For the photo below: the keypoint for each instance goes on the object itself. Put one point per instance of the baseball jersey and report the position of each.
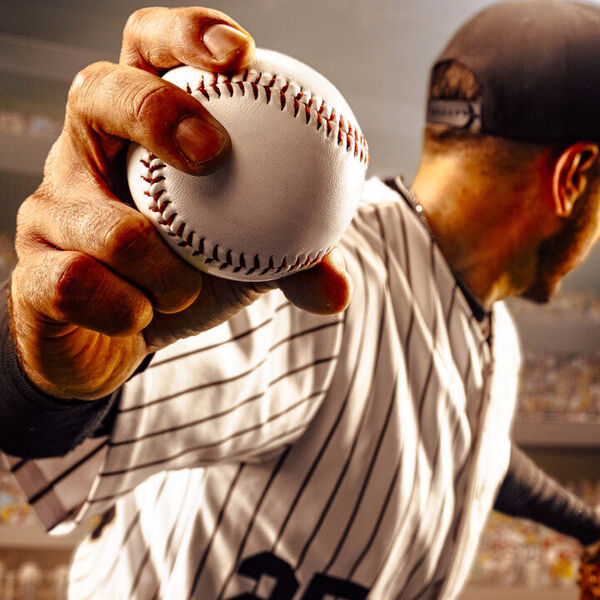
(288, 455)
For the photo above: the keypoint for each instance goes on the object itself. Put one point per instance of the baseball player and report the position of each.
(238, 441)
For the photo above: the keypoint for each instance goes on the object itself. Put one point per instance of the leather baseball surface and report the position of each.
(292, 183)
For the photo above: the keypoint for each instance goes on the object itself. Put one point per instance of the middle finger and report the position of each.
(118, 236)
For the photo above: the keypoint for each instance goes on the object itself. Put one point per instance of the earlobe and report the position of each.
(569, 180)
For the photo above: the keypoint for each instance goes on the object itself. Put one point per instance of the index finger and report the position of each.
(155, 39)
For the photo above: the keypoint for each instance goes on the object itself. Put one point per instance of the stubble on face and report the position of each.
(561, 253)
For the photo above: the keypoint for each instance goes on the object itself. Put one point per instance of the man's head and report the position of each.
(513, 101)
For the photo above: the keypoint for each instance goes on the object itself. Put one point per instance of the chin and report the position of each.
(541, 292)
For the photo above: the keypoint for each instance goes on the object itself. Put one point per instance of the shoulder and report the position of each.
(506, 338)
(384, 204)
(375, 191)
(385, 229)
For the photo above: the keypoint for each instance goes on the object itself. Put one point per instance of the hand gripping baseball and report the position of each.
(96, 288)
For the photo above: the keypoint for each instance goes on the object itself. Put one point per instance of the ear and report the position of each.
(568, 180)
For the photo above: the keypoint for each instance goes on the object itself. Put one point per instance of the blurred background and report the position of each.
(378, 53)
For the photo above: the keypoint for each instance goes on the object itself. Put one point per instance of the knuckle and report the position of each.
(25, 226)
(25, 214)
(83, 293)
(133, 246)
(121, 319)
(77, 283)
(190, 20)
(28, 225)
(83, 83)
(128, 238)
(149, 101)
(134, 23)
(126, 318)
(157, 54)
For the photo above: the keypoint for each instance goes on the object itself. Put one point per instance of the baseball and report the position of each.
(290, 189)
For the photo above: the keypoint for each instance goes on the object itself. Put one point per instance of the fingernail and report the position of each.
(222, 40)
(198, 140)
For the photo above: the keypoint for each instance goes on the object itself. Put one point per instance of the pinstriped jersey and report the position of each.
(287, 455)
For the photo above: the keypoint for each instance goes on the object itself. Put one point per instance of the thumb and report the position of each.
(324, 289)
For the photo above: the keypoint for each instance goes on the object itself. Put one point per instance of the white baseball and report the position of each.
(292, 184)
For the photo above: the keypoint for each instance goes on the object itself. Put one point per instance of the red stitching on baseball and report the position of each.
(188, 241)
(202, 89)
(355, 142)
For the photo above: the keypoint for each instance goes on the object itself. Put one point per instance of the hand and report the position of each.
(96, 288)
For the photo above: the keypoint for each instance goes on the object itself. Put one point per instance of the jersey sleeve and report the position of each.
(46, 443)
(503, 397)
(52, 447)
(240, 392)
(33, 424)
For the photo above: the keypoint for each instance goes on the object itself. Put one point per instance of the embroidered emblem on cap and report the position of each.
(462, 114)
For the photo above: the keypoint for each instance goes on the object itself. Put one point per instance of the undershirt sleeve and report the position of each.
(32, 423)
(528, 492)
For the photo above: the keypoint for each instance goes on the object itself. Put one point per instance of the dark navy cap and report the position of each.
(538, 65)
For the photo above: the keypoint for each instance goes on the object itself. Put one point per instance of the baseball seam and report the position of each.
(250, 80)
(217, 256)
(286, 90)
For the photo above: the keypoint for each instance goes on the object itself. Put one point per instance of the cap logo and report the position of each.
(462, 114)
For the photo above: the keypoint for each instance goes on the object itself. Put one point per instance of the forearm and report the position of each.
(33, 424)
(528, 492)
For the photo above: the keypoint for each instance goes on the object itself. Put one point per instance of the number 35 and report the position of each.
(286, 585)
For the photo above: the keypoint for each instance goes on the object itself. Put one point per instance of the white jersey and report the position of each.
(291, 456)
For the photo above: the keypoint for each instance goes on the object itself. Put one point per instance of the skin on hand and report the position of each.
(96, 288)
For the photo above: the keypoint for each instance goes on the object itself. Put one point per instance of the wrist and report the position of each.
(86, 367)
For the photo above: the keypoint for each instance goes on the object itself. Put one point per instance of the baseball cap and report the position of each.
(538, 65)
